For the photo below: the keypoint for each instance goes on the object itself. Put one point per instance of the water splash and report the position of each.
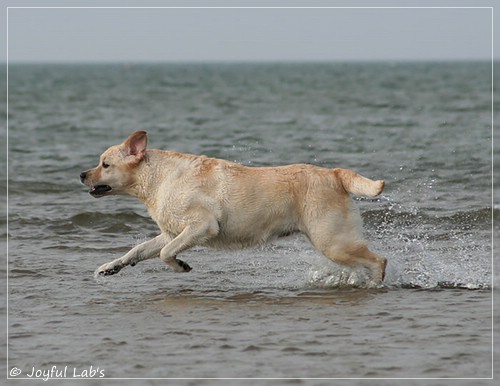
(339, 277)
(426, 248)
(429, 249)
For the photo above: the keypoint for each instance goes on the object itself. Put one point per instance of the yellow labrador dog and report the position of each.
(201, 201)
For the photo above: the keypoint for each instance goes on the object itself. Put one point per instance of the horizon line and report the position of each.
(248, 61)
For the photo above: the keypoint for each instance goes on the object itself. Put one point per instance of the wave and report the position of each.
(479, 218)
(111, 223)
(91, 218)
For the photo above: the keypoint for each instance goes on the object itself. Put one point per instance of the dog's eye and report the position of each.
(105, 165)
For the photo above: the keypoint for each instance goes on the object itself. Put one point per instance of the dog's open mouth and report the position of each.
(99, 190)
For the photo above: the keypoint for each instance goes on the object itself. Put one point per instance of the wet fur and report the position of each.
(201, 201)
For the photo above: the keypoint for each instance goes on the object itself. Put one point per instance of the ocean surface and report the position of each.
(282, 310)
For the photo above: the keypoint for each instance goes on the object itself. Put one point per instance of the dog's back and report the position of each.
(253, 205)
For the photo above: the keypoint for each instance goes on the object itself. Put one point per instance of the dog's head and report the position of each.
(115, 172)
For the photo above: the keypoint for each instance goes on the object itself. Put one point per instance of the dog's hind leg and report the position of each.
(357, 254)
(337, 233)
(147, 250)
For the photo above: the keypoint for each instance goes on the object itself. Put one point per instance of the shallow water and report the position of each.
(277, 311)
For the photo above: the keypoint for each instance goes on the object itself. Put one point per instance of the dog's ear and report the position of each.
(135, 145)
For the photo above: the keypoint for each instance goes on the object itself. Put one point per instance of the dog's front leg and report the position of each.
(147, 250)
(194, 234)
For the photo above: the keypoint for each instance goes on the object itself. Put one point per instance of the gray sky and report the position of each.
(136, 35)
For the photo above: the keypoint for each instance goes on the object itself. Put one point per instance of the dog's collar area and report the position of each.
(99, 190)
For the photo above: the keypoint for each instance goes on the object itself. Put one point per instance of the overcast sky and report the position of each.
(137, 35)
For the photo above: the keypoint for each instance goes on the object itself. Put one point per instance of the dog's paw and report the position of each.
(109, 269)
(183, 265)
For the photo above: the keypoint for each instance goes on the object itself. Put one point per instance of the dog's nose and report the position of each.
(82, 176)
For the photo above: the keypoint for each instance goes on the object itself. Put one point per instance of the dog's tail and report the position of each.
(358, 185)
